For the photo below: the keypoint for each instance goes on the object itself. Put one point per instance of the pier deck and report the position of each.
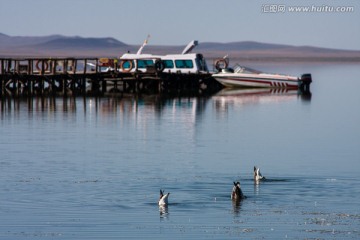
(87, 76)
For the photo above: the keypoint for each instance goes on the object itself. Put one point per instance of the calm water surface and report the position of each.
(92, 168)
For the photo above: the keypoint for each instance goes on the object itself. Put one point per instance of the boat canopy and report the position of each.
(242, 69)
(186, 62)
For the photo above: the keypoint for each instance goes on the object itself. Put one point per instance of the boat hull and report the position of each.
(257, 82)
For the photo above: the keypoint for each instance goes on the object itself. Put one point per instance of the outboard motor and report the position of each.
(305, 82)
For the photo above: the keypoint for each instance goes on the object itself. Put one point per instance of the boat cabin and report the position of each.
(185, 62)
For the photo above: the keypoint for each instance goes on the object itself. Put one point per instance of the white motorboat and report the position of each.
(240, 76)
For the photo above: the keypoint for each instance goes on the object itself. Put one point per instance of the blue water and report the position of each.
(92, 168)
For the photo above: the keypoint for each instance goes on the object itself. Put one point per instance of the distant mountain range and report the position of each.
(64, 46)
(59, 41)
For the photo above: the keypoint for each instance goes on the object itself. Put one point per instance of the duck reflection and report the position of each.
(236, 205)
(164, 212)
(256, 188)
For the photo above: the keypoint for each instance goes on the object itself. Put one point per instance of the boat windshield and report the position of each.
(243, 69)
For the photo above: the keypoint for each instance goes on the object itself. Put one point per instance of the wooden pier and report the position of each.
(86, 76)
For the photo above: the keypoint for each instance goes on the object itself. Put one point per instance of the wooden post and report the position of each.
(103, 87)
(115, 65)
(42, 70)
(17, 85)
(42, 85)
(3, 80)
(30, 86)
(75, 65)
(96, 65)
(53, 64)
(2, 67)
(17, 68)
(95, 85)
(9, 65)
(30, 66)
(65, 63)
(159, 86)
(85, 63)
(83, 85)
(29, 71)
(64, 87)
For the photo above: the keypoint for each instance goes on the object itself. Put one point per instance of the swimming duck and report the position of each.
(257, 175)
(236, 193)
(163, 200)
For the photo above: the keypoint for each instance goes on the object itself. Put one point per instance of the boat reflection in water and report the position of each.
(251, 96)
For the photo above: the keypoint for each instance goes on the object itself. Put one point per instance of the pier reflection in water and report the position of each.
(124, 107)
(40, 104)
(113, 105)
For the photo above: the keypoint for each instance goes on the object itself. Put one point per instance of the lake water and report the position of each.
(92, 168)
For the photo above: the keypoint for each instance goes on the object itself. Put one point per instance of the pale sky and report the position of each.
(176, 22)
